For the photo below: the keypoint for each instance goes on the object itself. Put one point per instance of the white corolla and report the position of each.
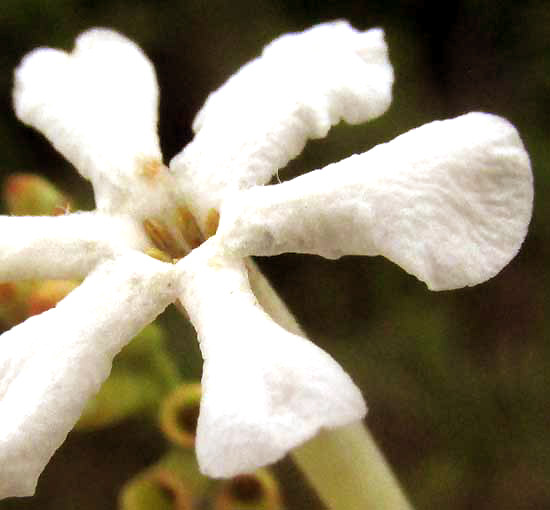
(449, 202)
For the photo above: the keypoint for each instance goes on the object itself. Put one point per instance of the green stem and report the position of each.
(349, 471)
(344, 464)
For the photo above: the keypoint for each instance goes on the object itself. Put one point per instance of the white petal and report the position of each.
(63, 247)
(450, 202)
(98, 107)
(262, 117)
(265, 390)
(52, 363)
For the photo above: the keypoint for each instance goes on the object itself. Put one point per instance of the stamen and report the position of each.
(158, 254)
(177, 232)
(189, 227)
(157, 232)
(212, 222)
(163, 239)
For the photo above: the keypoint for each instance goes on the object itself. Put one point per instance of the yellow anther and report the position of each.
(212, 222)
(158, 254)
(189, 228)
(164, 239)
(177, 232)
(157, 232)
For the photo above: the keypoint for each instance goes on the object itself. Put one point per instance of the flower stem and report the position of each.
(349, 471)
(343, 464)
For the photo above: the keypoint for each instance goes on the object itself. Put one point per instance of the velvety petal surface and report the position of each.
(63, 247)
(98, 107)
(450, 202)
(265, 390)
(262, 117)
(51, 364)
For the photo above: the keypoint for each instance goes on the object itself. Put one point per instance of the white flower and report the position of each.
(450, 202)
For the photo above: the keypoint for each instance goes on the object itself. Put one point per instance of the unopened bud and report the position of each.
(32, 195)
(13, 302)
(122, 395)
(147, 354)
(143, 373)
(46, 294)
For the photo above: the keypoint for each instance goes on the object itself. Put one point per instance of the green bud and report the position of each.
(141, 377)
(122, 395)
(147, 353)
(32, 195)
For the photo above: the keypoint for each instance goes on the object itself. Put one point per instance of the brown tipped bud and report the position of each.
(13, 302)
(255, 491)
(179, 414)
(10, 314)
(47, 294)
(32, 195)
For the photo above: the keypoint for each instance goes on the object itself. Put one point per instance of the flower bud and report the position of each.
(122, 395)
(142, 375)
(13, 302)
(46, 294)
(147, 353)
(32, 195)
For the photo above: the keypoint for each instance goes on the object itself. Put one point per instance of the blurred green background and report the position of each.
(457, 382)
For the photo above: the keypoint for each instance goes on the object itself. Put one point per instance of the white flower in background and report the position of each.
(450, 202)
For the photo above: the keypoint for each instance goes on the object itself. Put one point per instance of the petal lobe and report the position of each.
(51, 364)
(450, 202)
(262, 116)
(96, 105)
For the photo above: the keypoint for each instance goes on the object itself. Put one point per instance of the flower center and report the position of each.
(168, 222)
(178, 234)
